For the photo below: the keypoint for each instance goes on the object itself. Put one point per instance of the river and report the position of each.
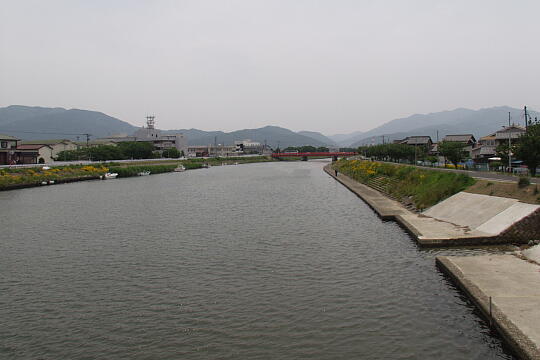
(258, 261)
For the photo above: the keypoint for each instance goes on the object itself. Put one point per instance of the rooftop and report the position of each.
(7, 137)
(459, 138)
(31, 146)
(45, 142)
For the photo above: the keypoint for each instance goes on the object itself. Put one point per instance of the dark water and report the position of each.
(262, 261)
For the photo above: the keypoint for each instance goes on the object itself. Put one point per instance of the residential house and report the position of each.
(485, 148)
(420, 141)
(467, 140)
(487, 145)
(509, 132)
(34, 154)
(56, 147)
(8, 145)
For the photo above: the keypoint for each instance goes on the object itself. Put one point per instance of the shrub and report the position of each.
(524, 182)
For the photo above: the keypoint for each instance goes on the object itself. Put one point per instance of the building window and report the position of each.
(3, 144)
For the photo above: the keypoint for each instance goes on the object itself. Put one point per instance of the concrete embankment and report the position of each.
(506, 289)
(464, 219)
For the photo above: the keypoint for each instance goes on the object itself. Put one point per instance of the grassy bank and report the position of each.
(409, 184)
(528, 194)
(13, 178)
(10, 178)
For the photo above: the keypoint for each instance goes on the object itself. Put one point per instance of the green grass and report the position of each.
(424, 187)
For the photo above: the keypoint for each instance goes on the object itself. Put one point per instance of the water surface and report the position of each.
(259, 261)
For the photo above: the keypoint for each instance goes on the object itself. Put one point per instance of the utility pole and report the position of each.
(526, 123)
(437, 136)
(383, 139)
(215, 146)
(88, 146)
(509, 144)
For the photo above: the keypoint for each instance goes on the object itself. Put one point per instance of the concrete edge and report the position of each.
(373, 206)
(410, 229)
(511, 334)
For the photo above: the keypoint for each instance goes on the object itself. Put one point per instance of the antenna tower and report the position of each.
(150, 121)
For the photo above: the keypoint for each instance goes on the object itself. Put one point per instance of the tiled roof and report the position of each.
(411, 140)
(45, 142)
(31, 146)
(7, 137)
(459, 138)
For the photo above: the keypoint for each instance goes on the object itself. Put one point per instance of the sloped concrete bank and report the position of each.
(506, 289)
(463, 219)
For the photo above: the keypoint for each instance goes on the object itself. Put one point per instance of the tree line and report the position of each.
(121, 151)
(525, 148)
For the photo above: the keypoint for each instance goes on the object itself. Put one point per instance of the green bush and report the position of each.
(524, 182)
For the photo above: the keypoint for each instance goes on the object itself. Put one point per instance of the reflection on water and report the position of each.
(263, 261)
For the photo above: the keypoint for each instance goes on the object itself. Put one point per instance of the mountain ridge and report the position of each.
(479, 122)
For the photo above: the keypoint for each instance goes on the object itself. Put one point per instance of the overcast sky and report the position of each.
(332, 66)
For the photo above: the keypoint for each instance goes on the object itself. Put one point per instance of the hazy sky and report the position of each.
(332, 66)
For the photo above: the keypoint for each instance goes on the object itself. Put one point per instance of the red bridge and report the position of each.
(305, 155)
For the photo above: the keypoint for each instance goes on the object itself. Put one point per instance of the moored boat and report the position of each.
(110, 176)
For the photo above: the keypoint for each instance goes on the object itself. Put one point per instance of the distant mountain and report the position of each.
(36, 123)
(318, 136)
(345, 139)
(460, 121)
(273, 135)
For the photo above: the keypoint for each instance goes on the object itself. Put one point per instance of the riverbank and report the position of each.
(506, 289)
(463, 219)
(19, 178)
(425, 230)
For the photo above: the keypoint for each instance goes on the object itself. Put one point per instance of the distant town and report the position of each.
(490, 150)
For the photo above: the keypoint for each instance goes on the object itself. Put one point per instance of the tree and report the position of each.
(136, 149)
(502, 151)
(527, 148)
(452, 151)
(171, 153)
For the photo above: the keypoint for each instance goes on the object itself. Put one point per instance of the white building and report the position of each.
(248, 147)
(155, 136)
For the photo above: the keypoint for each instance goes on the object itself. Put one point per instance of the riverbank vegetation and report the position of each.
(409, 184)
(529, 193)
(15, 177)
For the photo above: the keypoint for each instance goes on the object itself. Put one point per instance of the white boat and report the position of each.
(180, 168)
(144, 173)
(110, 176)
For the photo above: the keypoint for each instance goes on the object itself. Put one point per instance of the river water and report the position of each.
(259, 261)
